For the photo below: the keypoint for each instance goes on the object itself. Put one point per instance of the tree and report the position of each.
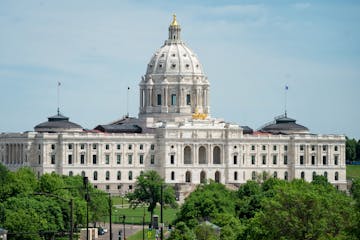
(351, 150)
(148, 191)
(358, 151)
(182, 232)
(300, 210)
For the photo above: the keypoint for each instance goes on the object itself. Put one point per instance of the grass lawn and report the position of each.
(352, 171)
(119, 200)
(135, 216)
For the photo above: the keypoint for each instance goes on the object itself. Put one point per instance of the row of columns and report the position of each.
(15, 154)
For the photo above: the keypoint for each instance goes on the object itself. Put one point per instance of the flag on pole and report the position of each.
(59, 83)
(286, 87)
(128, 88)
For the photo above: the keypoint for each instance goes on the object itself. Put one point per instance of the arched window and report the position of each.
(313, 175)
(336, 176)
(172, 175)
(326, 175)
(202, 155)
(217, 176)
(187, 155)
(71, 173)
(286, 176)
(95, 176)
(83, 174)
(216, 155)
(119, 175)
(253, 175)
(302, 175)
(235, 176)
(130, 175)
(202, 177)
(275, 174)
(188, 177)
(107, 175)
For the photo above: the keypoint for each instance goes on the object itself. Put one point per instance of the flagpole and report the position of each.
(58, 98)
(127, 102)
(286, 89)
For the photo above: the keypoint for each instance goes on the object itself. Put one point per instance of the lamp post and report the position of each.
(87, 198)
(161, 213)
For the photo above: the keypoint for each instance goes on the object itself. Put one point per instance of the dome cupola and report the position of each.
(174, 85)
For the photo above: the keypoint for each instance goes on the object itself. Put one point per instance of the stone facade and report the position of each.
(171, 138)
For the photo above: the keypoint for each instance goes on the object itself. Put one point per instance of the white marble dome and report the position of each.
(174, 58)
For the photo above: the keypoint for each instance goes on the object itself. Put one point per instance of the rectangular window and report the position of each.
(285, 159)
(324, 147)
(107, 159)
(263, 159)
(235, 159)
(107, 187)
(172, 159)
(324, 160)
(107, 146)
(253, 159)
(301, 147)
(70, 146)
(285, 147)
(141, 146)
(274, 159)
(70, 159)
(94, 157)
(336, 148)
(53, 159)
(82, 159)
(312, 147)
(118, 146)
(94, 146)
(173, 99)
(313, 160)
(152, 147)
(252, 147)
(188, 99)
(130, 159)
(301, 160)
(159, 99)
(82, 146)
(52, 146)
(274, 147)
(263, 147)
(152, 159)
(141, 159)
(336, 160)
(118, 158)
(130, 146)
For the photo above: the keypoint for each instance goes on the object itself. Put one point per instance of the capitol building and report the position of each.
(175, 135)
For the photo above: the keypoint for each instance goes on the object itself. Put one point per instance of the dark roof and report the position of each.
(284, 125)
(124, 125)
(247, 130)
(55, 123)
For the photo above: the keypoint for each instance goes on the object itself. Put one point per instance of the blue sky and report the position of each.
(249, 51)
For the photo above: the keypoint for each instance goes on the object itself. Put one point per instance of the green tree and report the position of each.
(300, 210)
(351, 145)
(205, 203)
(358, 151)
(206, 231)
(182, 232)
(148, 190)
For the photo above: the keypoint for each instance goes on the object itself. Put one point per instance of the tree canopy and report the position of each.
(148, 191)
(32, 208)
(274, 209)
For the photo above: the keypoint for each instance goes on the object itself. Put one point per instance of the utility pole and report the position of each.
(161, 214)
(87, 198)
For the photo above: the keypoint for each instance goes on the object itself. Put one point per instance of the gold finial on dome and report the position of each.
(174, 22)
(199, 116)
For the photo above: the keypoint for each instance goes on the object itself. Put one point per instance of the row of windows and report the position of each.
(173, 99)
(324, 148)
(324, 160)
(94, 146)
(107, 159)
(336, 175)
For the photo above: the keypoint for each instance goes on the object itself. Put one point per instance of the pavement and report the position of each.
(129, 230)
